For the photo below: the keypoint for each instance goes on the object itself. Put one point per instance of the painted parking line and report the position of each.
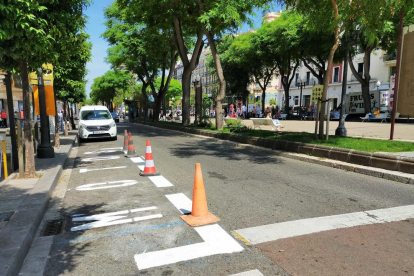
(273, 232)
(181, 202)
(137, 160)
(100, 151)
(101, 169)
(160, 181)
(113, 218)
(216, 241)
(119, 148)
(103, 158)
(106, 185)
(255, 272)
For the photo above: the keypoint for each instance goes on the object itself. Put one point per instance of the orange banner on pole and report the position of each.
(50, 100)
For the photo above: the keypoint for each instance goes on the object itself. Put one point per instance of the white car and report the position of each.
(96, 122)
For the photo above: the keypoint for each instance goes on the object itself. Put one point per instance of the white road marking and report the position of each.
(101, 169)
(137, 160)
(272, 232)
(141, 167)
(255, 272)
(106, 185)
(160, 181)
(100, 151)
(125, 151)
(181, 202)
(216, 241)
(112, 148)
(103, 158)
(113, 218)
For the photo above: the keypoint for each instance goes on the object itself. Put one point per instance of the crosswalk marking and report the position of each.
(272, 232)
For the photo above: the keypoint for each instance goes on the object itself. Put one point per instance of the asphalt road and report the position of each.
(245, 187)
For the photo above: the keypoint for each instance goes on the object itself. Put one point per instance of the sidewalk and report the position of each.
(22, 206)
(403, 132)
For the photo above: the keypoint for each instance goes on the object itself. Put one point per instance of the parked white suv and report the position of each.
(96, 122)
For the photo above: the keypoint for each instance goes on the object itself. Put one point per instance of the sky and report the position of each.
(95, 27)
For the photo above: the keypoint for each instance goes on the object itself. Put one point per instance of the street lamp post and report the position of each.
(45, 149)
(300, 83)
(341, 130)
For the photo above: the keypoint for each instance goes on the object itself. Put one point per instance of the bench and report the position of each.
(259, 122)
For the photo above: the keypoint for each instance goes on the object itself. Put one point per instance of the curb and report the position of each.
(17, 236)
(379, 165)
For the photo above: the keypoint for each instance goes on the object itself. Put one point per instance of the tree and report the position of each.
(114, 82)
(216, 17)
(134, 47)
(27, 37)
(367, 32)
(280, 39)
(180, 17)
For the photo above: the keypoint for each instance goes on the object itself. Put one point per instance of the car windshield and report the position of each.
(95, 115)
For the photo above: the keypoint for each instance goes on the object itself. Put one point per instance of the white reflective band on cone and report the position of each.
(149, 163)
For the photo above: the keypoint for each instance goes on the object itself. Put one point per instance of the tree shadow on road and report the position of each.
(225, 150)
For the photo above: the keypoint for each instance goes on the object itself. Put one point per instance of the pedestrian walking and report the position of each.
(258, 111)
(254, 111)
(244, 111)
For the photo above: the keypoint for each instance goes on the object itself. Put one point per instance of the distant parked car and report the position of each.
(115, 117)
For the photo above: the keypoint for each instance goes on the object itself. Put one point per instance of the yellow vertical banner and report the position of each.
(50, 100)
(316, 93)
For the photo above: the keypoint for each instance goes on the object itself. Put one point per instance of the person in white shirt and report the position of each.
(244, 111)
(258, 111)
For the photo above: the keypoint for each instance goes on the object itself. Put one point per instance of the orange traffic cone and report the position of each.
(131, 149)
(125, 140)
(199, 213)
(149, 169)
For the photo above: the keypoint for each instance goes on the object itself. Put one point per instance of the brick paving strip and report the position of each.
(28, 199)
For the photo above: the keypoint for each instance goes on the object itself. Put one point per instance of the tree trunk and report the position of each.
(263, 99)
(30, 170)
(157, 108)
(220, 75)
(366, 96)
(287, 90)
(185, 104)
(328, 71)
(72, 121)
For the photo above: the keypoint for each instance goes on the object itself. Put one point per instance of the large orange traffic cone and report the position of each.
(149, 169)
(199, 213)
(125, 140)
(131, 149)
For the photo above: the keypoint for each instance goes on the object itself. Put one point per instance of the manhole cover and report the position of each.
(6, 216)
(53, 227)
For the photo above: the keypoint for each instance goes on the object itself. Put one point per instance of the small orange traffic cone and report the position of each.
(131, 149)
(149, 169)
(199, 213)
(125, 140)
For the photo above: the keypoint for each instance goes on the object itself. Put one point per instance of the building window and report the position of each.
(336, 74)
(296, 79)
(307, 78)
(257, 86)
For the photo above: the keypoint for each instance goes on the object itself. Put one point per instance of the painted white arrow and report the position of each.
(106, 185)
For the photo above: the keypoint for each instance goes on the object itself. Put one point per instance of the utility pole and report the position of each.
(45, 149)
